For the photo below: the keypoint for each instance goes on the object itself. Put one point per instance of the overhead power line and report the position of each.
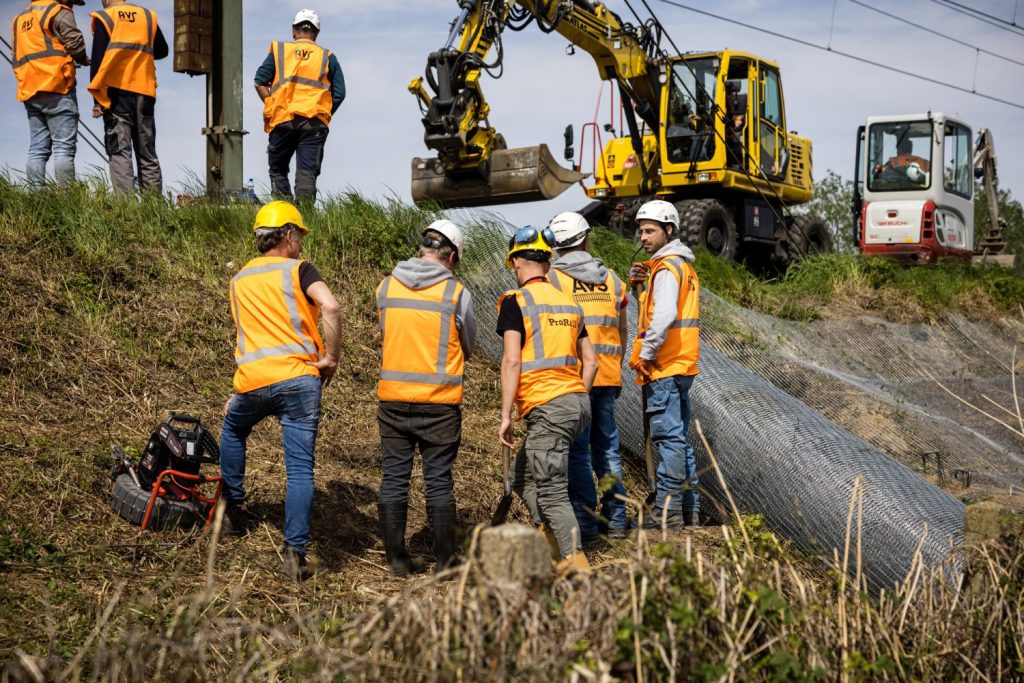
(95, 143)
(981, 16)
(848, 55)
(936, 33)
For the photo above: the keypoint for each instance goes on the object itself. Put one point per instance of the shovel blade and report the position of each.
(501, 512)
(522, 174)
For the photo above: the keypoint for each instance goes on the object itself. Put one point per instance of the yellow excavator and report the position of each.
(706, 131)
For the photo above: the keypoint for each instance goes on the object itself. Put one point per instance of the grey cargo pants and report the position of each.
(539, 471)
(129, 124)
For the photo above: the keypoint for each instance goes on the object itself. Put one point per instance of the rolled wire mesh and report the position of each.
(779, 457)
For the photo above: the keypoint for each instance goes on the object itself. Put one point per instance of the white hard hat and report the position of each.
(570, 229)
(309, 15)
(449, 230)
(658, 210)
(915, 173)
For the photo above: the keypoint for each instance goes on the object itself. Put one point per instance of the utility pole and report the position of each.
(208, 40)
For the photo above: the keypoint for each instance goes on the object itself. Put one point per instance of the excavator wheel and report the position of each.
(808, 235)
(709, 223)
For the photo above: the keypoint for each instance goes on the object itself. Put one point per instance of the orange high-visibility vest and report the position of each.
(600, 304)
(41, 63)
(679, 353)
(550, 366)
(275, 324)
(128, 63)
(301, 86)
(422, 355)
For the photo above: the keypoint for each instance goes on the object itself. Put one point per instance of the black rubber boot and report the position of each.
(442, 523)
(392, 530)
(691, 517)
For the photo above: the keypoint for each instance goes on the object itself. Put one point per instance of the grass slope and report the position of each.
(115, 312)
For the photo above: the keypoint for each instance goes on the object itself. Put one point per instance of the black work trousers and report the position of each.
(303, 139)
(436, 428)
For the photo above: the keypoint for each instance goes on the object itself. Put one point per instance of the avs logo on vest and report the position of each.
(127, 15)
(580, 286)
(28, 24)
(303, 55)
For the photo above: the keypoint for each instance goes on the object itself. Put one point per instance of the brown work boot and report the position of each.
(556, 552)
(576, 563)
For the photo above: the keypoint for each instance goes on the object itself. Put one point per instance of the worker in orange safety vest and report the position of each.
(301, 85)
(46, 46)
(429, 329)
(664, 357)
(281, 365)
(603, 298)
(548, 365)
(127, 41)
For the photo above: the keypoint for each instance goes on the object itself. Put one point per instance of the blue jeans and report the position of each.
(296, 404)
(53, 128)
(596, 451)
(668, 408)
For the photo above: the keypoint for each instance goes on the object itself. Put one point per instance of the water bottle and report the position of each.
(250, 191)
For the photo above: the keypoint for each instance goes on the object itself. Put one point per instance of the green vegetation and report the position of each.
(115, 312)
(875, 285)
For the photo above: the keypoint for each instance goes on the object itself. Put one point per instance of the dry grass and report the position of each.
(115, 313)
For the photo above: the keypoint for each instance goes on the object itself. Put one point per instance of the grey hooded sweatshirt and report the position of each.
(581, 265)
(665, 291)
(420, 273)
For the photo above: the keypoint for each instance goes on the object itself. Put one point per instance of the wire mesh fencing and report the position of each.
(795, 420)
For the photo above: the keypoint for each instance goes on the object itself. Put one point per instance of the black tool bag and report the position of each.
(179, 443)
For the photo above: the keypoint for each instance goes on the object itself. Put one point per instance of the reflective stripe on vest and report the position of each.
(301, 85)
(41, 63)
(600, 304)
(279, 332)
(549, 365)
(128, 62)
(422, 359)
(680, 351)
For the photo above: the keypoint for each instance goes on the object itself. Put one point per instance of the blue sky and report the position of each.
(383, 44)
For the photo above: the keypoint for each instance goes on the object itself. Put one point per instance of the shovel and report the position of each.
(501, 512)
(652, 482)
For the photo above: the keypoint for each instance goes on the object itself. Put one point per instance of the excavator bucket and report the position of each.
(523, 174)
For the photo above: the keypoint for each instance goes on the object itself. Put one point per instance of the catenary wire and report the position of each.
(937, 33)
(848, 55)
(966, 11)
(982, 14)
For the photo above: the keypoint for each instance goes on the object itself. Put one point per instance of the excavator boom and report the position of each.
(473, 167)
(993, 246)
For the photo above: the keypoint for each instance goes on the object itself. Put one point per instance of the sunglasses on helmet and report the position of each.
(528, 234)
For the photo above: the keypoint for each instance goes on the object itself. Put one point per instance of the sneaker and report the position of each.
(296, 566)
(673, 519)
(238, 519)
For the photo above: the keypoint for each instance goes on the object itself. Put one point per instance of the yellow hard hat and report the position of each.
(531, 243)
(277, 214)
